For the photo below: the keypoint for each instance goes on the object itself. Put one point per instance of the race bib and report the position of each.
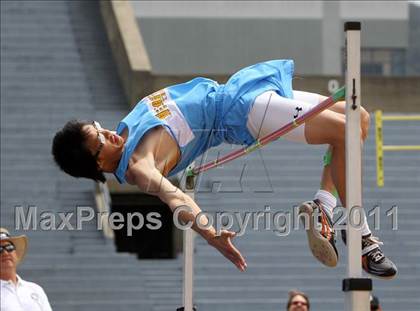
(168, 111)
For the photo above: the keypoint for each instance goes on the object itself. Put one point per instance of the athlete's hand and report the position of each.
(224, 245)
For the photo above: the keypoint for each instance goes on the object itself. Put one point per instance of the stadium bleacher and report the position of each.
(56, 64)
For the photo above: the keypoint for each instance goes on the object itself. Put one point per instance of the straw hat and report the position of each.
(20, 242)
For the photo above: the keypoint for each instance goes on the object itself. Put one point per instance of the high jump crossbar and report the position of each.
(380, 147)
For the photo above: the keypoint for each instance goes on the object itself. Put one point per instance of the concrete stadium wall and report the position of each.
(397, 95)
(127, 47)
(208, 38)
(218, 46)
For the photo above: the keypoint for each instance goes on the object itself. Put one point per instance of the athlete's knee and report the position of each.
(364, 123)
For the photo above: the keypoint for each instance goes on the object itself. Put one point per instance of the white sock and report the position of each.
(327, 200)
(365, 230)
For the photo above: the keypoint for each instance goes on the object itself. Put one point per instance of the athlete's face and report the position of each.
(106, 146)
(298, 303)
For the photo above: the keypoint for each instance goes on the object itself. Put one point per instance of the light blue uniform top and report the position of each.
(212, 113)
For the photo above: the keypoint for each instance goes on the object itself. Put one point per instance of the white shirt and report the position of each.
(23, 296)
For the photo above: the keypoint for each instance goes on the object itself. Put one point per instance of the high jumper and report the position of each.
(168, 129)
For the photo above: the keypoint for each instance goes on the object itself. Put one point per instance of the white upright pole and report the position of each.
(357, 288)
(188, 269)
(188, 250)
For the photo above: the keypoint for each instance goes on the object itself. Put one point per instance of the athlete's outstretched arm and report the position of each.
(150, 180)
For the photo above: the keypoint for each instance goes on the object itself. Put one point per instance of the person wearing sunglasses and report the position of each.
(16, 293)
(167, 130)
(298, 301)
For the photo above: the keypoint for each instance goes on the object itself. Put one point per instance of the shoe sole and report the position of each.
(381, 277)
(320, 247)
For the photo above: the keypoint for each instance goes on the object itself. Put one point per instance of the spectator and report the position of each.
(17, 294)
(298, 301)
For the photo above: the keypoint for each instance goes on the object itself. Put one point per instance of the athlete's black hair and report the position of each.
(71, 154)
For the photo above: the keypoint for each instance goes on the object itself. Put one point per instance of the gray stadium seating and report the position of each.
(56, 65)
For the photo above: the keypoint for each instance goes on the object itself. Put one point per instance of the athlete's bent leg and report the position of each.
(374, 261)
(269, 113)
